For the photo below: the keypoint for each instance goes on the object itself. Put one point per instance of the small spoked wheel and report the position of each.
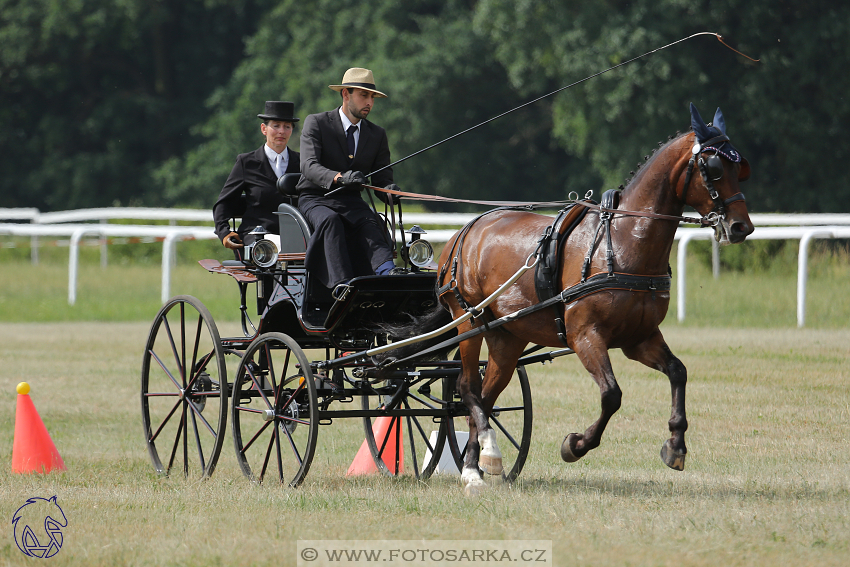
(274, 411)
(184, 389)
(511, 419)
(411, 437)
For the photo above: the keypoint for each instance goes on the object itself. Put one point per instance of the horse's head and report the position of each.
(715, 169)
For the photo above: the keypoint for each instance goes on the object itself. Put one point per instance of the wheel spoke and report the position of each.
(166, 370)
(266, 460)
(293, 446)
(197, 412)
(413, 446)
(164, 421)
(176, 442)
(255, 437)
(198, 440)
(505, 432)
(258, 386)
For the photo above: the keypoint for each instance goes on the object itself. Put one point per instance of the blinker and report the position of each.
(713, 167)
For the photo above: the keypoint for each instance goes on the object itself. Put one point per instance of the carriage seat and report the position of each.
(295, 231)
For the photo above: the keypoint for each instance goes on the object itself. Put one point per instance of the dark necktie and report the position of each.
(350, 136)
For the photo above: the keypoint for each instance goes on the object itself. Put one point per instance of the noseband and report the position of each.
(710, 169)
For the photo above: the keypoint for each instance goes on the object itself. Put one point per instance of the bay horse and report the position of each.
(640, 235)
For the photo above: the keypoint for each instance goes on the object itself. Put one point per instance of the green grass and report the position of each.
(129, 287)
(767, 478)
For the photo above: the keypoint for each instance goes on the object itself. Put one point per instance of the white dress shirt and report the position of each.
(279, 161)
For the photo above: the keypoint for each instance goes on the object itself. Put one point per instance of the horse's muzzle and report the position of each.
(732, 232)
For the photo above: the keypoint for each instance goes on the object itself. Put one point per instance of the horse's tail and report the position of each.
(431, 320)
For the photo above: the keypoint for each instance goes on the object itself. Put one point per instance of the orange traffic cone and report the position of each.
(32, 450)
(363, 462)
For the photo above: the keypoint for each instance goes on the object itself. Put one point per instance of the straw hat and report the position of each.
(358, 78)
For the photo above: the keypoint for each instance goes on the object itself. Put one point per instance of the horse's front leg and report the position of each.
(593, 354)
(655, 353)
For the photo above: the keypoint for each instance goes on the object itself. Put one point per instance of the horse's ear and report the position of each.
(719, 122)
(744, 172)
(698, 125)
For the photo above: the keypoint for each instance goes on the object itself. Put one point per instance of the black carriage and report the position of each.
(293, 371)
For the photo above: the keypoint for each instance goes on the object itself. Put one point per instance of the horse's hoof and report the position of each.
(672, 458)
(566, 452)
(474, 489)
(490, 465)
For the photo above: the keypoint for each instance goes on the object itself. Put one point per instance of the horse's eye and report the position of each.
(714, 167)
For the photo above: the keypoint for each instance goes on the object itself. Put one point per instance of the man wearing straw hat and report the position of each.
(337, 147)
(250, 191)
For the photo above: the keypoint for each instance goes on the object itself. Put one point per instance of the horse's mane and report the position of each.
(649, 158)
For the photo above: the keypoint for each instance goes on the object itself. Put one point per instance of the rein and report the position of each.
(707, 220)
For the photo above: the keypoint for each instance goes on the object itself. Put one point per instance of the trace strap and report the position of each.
(594, 284)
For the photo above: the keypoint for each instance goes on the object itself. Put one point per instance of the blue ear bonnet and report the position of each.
(705, 132)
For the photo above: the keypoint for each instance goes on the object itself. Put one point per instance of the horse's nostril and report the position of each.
(740, 228)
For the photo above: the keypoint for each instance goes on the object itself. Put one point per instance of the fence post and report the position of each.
(681, 277)
(103, 246)
(715, 258)
(803, 271)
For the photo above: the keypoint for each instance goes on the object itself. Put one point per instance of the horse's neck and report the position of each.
(652, 190)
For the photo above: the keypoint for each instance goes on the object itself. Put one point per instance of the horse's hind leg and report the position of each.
(469, 388)
(594, 356)
(655, 353)
(503, 352)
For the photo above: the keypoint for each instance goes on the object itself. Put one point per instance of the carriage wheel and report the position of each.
(406, 442)
(511, 419)
(184, 389)
(274, 411)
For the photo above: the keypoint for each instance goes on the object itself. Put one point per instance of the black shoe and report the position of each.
(398, 270)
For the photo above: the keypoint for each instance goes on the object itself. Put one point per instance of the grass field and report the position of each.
(767, 480)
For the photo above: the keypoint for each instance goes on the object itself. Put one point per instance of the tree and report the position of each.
(441, 78)
(94, 94)
(784, 113)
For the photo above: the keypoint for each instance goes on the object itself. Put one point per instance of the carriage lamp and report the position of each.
(418, 252)
(262, 252)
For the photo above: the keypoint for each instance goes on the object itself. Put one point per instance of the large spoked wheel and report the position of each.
(274, 411)
(511, 419)
(184, 389)
(411, 437)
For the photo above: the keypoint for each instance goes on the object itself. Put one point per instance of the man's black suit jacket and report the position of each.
(325, 153)
(253, 177)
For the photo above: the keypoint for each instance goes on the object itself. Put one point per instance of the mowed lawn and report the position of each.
(767, 477)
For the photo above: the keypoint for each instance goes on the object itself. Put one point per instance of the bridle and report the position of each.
(711, 169)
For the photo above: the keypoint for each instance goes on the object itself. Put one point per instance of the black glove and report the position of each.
(389, 198)
(350, 178)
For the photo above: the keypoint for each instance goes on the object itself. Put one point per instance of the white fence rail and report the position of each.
(802, 227)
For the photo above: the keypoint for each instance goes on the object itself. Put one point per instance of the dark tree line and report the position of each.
(147, 102)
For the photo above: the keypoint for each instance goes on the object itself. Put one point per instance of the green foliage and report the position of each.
(135, 102)
(94, 95)
(784, 113)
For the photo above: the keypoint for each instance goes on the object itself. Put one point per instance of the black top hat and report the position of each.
(279, 110)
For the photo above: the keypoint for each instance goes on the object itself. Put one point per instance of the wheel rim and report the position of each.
(274, 411)
(184, 407)
(406, 442)
(512, 419)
